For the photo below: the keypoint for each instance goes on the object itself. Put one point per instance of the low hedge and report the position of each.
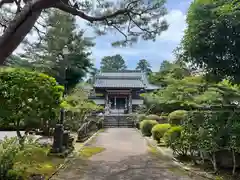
(141, 118)
(164, 119)
(153, 117)
(177, 117)
(159, 130)
(172, 137)
(146, 127)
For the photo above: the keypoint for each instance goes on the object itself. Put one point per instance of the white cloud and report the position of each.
(177, 24)
(155, 52)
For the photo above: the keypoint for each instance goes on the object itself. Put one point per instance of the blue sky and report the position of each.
(154, 52)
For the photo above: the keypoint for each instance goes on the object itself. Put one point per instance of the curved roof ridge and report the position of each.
(119, 77)
(120, 71)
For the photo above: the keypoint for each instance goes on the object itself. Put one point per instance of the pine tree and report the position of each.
(113, 63)
(49, 57)
(144, 66)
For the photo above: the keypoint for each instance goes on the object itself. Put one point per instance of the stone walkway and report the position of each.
(126, 157)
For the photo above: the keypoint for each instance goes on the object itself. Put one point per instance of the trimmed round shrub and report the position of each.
(141, 118)
(159, 130)
(146, 127)
(164, 119)
(177, 117)
(172, 136)
(137, 125)
(100, 123)
(153, 117)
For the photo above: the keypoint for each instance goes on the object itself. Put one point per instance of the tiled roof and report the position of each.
(123, 79)
(152, 87)
(119, 83)
(121, 74)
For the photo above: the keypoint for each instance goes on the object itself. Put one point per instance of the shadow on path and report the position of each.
(130, 160)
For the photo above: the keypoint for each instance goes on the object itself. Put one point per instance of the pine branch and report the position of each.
(74, 11)
(2, 2)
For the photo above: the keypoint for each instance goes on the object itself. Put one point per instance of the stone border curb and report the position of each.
(67, 160)
(175, 161)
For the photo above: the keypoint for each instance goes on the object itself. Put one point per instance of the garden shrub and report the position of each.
(137, 125)
(30, 160)
(146, 127)
(19, 162)
(153, 117)
(100, 123)
(141, 118)
(177, 117)
(9, 149)
(172, 135)
(159, 130)
(174, 139)
(37, 97)
(164, 118)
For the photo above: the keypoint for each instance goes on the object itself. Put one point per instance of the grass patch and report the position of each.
(152, 150)
(78, 146)
(87, 152)
(178, 171)
(101, 130)
(46, 168)
(161, 144)
(36, 161)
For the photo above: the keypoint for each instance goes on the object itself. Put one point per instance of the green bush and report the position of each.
(141, 118)
(146, 127)
(174, 139)
(177, 117)
(137, 125)
(100, 123)
(159, 130)
(164, 119)
(9, 148)
(172, 134)
(16, 160)
(153, 117)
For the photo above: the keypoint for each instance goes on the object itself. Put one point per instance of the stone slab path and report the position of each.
(126, 157)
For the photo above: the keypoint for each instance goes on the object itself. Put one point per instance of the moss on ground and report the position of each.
(87, 152)
(178, 171)
(218, 178)
(153, 150)
(101, 130)
(37, 163)
(78, 146)
(161, 144)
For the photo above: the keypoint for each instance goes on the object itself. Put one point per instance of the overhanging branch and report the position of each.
(76, 12)
(2, 2)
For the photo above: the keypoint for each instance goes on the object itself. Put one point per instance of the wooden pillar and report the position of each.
(126, 103)
(106, 103)
(130, 103)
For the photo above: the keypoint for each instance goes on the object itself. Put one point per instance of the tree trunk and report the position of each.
(234, 162)
(20, 26)
(202, 156)
(20, 137)
(17, 31)
(214, 163)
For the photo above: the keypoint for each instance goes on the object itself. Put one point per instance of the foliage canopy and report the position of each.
(27, 96)
(212, 37)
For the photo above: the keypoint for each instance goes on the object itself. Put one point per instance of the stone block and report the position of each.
(57, 146)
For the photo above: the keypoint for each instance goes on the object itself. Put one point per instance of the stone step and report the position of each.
(115, 126)
(118, 125)
(117, 121)
(126, 123)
